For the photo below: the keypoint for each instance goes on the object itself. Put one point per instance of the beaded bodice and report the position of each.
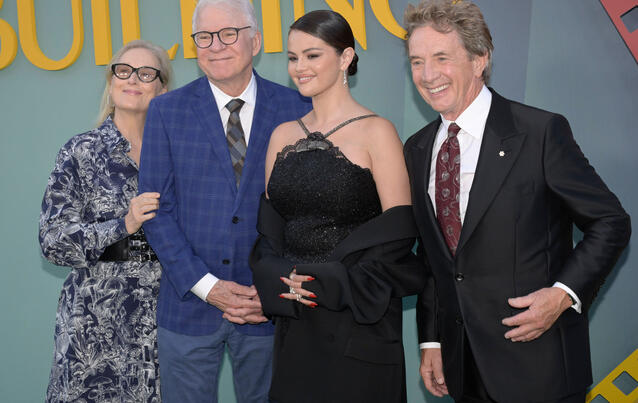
(321, 194)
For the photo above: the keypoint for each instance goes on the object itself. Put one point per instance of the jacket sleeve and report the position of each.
(180, 265)
(427, 304)
(268, 265)
(594, 208)
(366, 283)
(65, 238)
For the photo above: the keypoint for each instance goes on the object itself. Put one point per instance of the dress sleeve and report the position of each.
(65, 239)
(365, 283)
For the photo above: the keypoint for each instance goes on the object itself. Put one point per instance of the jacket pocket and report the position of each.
(375, 350)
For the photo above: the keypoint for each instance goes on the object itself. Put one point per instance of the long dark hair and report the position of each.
(331, 28)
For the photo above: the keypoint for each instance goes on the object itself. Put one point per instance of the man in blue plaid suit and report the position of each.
(204, 149)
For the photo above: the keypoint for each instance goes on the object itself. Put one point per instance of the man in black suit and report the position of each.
(497, 187)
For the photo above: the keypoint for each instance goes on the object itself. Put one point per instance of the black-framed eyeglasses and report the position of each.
(146, 74)
(227, 36)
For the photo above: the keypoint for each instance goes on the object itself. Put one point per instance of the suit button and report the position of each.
(459, 321)
(235, 220)
(459, 277)
(226, 261)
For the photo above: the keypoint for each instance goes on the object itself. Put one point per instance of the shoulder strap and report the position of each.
(305, 129)
(348, 122)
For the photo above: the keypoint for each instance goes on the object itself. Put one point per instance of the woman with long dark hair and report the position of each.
(334, 256)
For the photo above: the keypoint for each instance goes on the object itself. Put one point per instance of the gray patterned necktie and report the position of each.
(235, 137)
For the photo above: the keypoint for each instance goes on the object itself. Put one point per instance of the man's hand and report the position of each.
(432, 371)
(544, 307)
(239, 303)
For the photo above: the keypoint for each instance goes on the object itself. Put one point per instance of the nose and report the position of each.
(429, 73)
(133, 78)
(217, 45)
(299, 65)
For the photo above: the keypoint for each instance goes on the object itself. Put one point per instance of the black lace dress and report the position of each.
(323, 197)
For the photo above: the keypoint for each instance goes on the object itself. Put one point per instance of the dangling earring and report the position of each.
(345, 79)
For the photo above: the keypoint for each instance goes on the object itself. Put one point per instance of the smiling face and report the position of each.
(229, 67)
(443, 72)
(131, 94)
(313, 65)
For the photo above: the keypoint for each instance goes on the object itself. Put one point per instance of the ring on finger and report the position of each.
(292, 291)
(298, 297)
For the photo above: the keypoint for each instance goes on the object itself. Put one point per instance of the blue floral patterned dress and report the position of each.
(105, 333)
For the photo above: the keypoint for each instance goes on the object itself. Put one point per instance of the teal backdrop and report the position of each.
(565, 56)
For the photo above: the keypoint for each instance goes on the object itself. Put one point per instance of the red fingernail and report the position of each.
(282, 278)
(313, 304)
(294, 266)
(312, 295)
(310, 278)
(281, 296)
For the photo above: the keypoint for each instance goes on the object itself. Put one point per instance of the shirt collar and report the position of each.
(112, 137)
(472, 119)
(249, 96)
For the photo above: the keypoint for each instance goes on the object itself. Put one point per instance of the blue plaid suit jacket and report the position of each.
(204, 223)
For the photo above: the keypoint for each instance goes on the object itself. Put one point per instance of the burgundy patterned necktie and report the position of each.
(447, 188)
(235, 137)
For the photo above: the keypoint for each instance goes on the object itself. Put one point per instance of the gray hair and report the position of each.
(461, 16)
(243, 7)
(166, 73)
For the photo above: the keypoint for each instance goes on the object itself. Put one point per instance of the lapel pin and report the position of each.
(501, 153)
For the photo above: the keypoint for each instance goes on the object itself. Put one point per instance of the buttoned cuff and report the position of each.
(203, 286)
(429, 345)
(578, 306)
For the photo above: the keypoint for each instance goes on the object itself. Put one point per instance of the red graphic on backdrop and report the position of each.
(615, 9)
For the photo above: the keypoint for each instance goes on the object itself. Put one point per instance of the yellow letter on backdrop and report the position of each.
(381, 10)
(187, 8)
(29, 39)
(299, 8)
(130, 20)
(8, 43)
(271, 20)
(355, 16)
(101, 17)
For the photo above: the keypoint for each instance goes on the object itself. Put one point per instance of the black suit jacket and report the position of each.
(349, 348)
(532, 184)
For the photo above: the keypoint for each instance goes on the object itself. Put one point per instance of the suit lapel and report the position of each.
(260, 131)
(206, 111)
(499, 150)
(421, 165)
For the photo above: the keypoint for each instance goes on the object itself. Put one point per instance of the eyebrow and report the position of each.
(307, 50)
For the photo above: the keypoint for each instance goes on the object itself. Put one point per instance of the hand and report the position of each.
(431, 370)
(239, 303)
(294, 281)
(139, 210)
(544, 307)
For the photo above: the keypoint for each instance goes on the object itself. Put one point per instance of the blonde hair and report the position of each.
(461, 16)
(166, 73)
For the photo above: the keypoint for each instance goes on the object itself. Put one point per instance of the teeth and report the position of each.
(438, 89)
(303, 79)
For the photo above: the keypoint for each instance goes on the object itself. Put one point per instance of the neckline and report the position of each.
(339, 126)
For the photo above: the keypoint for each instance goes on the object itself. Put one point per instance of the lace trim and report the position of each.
(310, 144)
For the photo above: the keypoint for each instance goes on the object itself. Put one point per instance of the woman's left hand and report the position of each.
(297, 292)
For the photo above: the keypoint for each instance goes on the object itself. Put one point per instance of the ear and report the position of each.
(478, 65)
(346, 58)
(256, 43)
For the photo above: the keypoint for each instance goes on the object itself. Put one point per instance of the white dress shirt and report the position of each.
(472, 123)
(249, 96)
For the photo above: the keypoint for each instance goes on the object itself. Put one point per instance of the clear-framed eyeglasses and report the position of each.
(146, 74)
(227, 36)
